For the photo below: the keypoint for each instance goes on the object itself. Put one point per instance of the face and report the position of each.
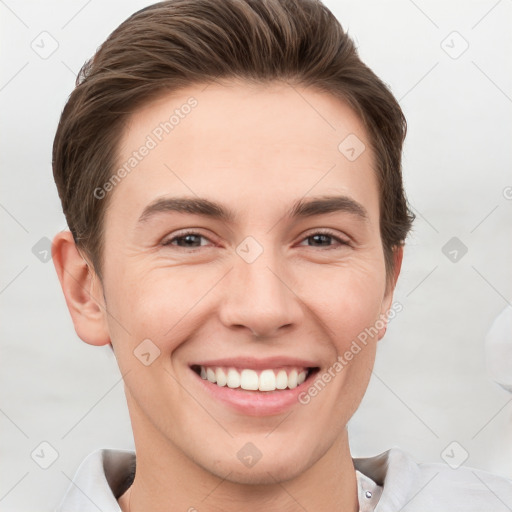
(262, 275)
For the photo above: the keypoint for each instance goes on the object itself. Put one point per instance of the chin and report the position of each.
(270, 469)
(269, 474)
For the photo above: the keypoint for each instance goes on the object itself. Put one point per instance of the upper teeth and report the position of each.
(267, 380)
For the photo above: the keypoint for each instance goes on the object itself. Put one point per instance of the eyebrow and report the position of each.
(301, 209)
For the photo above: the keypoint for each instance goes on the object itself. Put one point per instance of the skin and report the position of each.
(256, 149)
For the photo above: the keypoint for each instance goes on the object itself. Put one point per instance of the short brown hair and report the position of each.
(173, 44)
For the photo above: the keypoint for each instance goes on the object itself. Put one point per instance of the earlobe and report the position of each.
(82, 290)
(398, 253)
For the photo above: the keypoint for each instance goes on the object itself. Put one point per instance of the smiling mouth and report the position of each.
(247, 379)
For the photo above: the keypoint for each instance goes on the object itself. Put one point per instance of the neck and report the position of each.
(166, 479)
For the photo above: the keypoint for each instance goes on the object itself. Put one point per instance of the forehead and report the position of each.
(244, 144)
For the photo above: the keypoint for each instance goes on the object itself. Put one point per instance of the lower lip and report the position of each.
(255, 403)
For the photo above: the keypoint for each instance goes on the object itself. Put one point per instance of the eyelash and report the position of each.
(328, 233)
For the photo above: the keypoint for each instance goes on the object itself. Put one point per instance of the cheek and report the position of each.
(345, 301)
(155, 305)
(349, 308)
(165, 304)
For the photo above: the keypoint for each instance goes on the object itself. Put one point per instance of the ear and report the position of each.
(82, 289)
(398, 254)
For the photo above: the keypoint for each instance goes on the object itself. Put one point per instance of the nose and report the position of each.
(259, 297)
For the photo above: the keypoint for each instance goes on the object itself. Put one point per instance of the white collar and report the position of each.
(393, 478)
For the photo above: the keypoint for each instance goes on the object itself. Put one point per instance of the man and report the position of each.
(231, 176)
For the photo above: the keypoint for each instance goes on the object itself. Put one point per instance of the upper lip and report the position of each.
(258, 363)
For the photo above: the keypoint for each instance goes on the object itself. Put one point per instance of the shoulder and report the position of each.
(412, 487)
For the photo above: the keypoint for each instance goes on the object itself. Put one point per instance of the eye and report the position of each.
(192, 240)
(323, 238)
(187, 239)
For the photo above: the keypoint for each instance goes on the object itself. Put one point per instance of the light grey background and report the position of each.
(430, 386)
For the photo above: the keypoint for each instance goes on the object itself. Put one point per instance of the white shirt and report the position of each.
(389, 482)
